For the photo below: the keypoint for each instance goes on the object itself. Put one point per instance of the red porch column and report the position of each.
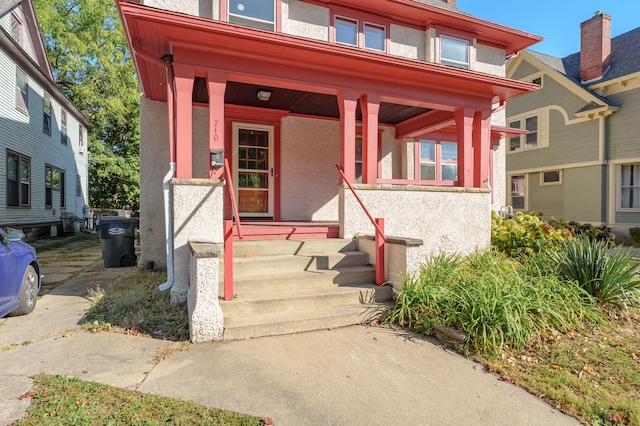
(464, 126)
(217, 84)
(370, 106)
(348, 101)
(184, 76)
(171, 102)
(481, 148)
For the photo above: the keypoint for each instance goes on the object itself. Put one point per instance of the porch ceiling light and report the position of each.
(264, 95)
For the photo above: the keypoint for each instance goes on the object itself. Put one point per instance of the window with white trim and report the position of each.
(54, 181)
(529, 140)
(16, 29)
(46, 114)
(253, 13)
(551, 177)
(18, 180)
(22, 91)
(362, 34)
(80, 139)
(438, 161)
(454, 52)
(518, 191)
(630, 186)
(63, 127)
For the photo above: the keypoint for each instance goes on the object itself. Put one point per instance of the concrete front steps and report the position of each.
(291, 286)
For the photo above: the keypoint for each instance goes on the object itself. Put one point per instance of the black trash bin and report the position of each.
(117, 238)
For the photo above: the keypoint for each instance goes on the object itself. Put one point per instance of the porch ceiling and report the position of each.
(299, 102)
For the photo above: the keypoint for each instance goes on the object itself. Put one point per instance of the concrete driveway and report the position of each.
(349, 376)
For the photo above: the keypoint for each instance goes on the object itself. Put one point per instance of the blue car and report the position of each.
(19, 274)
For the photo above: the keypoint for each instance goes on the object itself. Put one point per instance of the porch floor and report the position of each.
(268, 229)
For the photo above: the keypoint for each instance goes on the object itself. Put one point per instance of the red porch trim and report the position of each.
(183, 77)
(426, 123)
(217, 85)
(481, 148)
(464, 126)
(370, 107)
(348, 102)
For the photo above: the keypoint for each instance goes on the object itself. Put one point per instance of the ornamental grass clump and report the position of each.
(611, 277)
(524, 234)
(499, 303)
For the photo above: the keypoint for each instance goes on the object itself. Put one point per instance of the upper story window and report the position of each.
(81, 139)
(16, 29)
(530, 140)
(46, 114)
(22, 91)
(63, 127)
(359, 33)
(438, 161)
(253, 13)
(454, 52)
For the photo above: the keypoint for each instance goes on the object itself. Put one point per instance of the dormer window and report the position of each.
(253, 13)
(359, 33)
(454, 52)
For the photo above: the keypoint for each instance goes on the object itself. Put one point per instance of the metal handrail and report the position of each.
(373, 221)
(232, 194)
(380, 238)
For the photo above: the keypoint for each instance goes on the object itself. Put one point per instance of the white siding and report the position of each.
(23, 134)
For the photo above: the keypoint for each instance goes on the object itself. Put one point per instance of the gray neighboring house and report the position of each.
(581, 158)
(43, 136)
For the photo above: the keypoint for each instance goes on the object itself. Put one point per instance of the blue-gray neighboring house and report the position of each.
(43, 136)
(580, 159)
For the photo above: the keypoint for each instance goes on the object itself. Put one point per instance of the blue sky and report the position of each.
(558, 21)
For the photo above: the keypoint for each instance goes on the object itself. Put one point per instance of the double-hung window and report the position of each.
(630, 186)
(54, 181)
(438, 161)
(253, 13)
(518, 191)
(63, 127)
(529, 140)
(454, 52)
(80, 139)
(22, 91)
(359, 33)
(18, 180)
(46, 115)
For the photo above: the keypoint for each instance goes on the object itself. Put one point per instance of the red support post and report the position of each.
(228, 259)
(380, 275)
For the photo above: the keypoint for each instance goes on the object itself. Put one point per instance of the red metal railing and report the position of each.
(378, 223)
(228, 235)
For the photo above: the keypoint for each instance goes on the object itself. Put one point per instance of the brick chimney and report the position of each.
(595, 46)
(450, 2)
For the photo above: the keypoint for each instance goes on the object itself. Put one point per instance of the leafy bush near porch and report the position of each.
(611, 278)
(634, 233)
(499, 303)
(524, 234)
(577, 229)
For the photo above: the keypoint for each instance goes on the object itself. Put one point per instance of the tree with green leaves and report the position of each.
(92, 65)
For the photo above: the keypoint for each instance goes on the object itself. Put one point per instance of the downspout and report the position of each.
(168, 228)
(168, 217)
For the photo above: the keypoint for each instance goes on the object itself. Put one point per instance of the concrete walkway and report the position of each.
(349, 376)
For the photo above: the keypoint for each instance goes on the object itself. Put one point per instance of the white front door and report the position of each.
(253, 160)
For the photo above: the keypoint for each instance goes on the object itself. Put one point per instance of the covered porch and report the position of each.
(281, 112)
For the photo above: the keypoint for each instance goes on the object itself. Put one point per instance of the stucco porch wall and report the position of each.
(446, 219)
(310, 149)
(198, 214)
(206, 320)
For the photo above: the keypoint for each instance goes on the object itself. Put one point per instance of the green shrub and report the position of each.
(496, 301)
(634, 233)
(597, 232)
(613, 278)
(524, 234)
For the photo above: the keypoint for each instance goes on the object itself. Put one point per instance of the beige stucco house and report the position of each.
(248, 107)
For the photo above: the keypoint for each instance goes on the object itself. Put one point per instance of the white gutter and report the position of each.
(168, 228)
